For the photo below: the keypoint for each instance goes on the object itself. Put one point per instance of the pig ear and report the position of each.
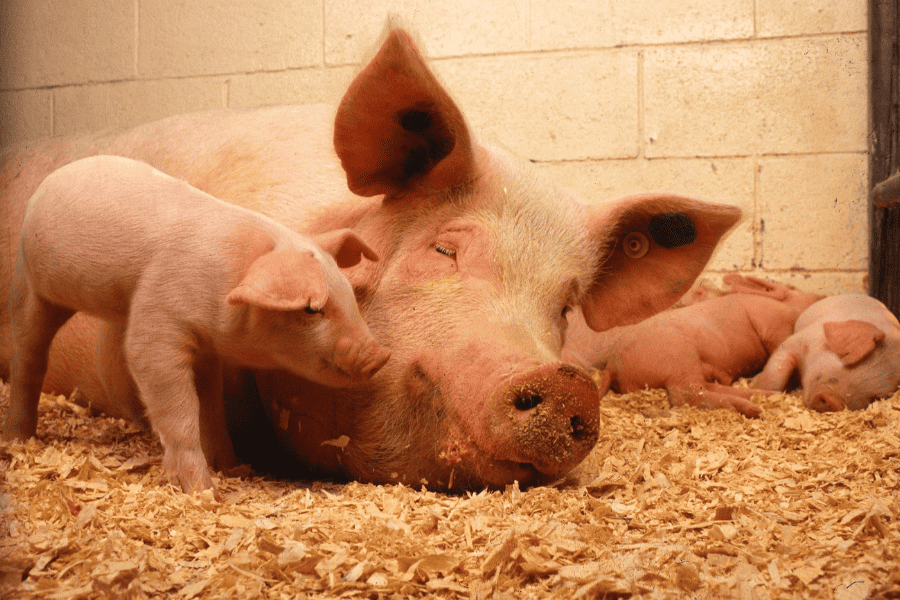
(282, 280)
(748, 284)
(654, 247)
(396, 128)
(345, 246)
(852, 340)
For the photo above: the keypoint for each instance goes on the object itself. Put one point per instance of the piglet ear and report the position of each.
(396, 129)
(345, 246)
(282, 280)
(748, 284)
(653, 247)
(852, 340)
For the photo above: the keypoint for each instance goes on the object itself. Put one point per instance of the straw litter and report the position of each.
(672, 503)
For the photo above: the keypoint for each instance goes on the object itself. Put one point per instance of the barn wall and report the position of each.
(760, 103)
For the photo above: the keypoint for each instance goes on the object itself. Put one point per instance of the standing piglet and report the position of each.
(697, 351)
(847, 351)
(185, 282)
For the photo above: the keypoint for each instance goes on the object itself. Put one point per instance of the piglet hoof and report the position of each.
(603, 379)
(707, 399)
(188, 470)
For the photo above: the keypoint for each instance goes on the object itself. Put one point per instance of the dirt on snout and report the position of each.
(671, 503)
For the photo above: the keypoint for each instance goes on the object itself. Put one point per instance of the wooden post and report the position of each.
(884, 222)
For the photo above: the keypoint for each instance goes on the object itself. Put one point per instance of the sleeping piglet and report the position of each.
(185, 281)
(847, 351)
(697, 351)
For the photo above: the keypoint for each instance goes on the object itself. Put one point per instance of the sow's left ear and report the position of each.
(655, 246)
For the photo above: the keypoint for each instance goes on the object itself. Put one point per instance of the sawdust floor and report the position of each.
(672, 503)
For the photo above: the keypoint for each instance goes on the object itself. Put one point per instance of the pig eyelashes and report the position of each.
(445, 251)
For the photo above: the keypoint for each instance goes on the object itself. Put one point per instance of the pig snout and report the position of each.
(825, 402)
(550, 416)
(360, 359)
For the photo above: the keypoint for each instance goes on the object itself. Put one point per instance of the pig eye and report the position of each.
(566, 310)
(445, 251)
(311, 311)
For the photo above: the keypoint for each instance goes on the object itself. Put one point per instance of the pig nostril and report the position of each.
(578, 429)
(524, 403)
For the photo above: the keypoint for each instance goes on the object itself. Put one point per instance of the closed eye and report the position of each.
(445, 251)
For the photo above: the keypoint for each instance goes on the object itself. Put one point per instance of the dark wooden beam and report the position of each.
(884, 90)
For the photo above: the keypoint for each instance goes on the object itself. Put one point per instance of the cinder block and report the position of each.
(445, 27)
(59, 43)
(205, 37)
(306, 86)
(551, 106)
(760, 97)
(25, 115)
(591, 24)
(727, 181)
(122, 105)
(815, 212)
(798, 17)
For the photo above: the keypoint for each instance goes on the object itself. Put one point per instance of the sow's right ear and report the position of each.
(397, 130)
(852, 340)
(653, 247)
(282, 280)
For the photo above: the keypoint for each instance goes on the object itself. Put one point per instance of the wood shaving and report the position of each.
(672, 503)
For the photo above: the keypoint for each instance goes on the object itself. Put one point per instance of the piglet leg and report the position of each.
(112, 369)
(214, 438)
(34, 324)
(701, 397)
(778, 370)
(161, 356)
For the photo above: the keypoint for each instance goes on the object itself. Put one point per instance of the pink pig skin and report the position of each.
(481, 259)
(697, 351)
(187, 281)
(846, 349)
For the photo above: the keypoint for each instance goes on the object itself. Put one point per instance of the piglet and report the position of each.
(697, 351)
(189, 281)
(846, 349)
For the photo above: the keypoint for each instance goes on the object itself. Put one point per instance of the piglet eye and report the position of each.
(311, 311)
(445, 251)
(566, 310)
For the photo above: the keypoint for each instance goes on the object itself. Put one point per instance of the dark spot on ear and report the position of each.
(416, 163)
(672, 230)
(415, 121)
(431, 141)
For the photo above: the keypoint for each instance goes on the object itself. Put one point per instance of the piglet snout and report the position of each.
(361, 359)
(825, 402)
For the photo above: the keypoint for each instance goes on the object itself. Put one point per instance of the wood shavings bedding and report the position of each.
(672, 503)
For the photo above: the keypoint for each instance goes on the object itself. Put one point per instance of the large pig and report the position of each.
(481, 261)
(185, 281)
(697, 351)
(846, 349)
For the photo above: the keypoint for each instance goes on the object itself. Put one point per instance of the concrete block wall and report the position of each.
(759, 103)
